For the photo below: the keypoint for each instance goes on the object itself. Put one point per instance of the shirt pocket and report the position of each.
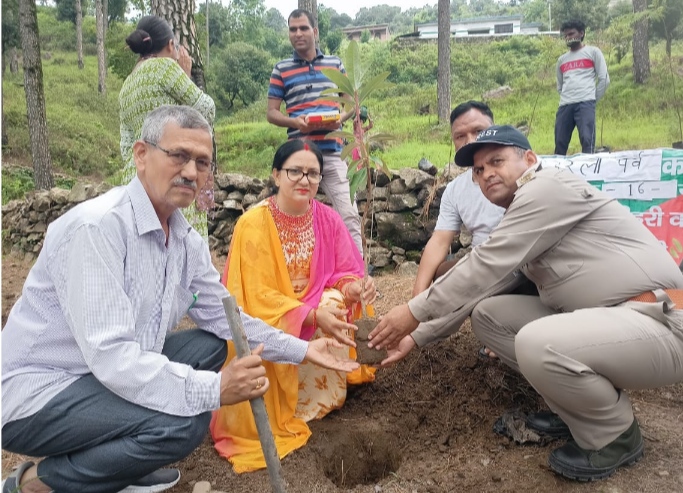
(557, 265)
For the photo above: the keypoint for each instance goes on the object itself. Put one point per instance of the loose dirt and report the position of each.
(425, 425)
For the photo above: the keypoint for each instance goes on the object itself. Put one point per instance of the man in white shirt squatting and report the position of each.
(92, 378)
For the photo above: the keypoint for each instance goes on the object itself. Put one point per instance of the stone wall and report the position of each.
(405, 209)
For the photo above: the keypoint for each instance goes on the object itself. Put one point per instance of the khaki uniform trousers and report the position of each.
(335, 185)
(579, 362)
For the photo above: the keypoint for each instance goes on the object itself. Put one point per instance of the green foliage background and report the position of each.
(247, 40)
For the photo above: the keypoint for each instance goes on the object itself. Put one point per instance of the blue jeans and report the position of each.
(580, 115)
(96, 442)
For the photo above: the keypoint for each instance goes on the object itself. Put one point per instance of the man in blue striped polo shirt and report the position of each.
(298, 81)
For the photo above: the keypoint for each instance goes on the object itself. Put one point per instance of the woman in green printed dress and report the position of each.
(161, 76)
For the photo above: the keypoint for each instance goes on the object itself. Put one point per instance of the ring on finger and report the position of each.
(258, 383)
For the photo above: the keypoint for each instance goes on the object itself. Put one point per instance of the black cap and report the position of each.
(506, 135)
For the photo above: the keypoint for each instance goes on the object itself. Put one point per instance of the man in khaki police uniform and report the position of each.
(609, 314)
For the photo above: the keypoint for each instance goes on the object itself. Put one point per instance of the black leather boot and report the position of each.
(574, 462)
(549, 424)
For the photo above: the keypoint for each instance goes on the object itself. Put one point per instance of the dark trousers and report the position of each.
(96, 442)
(580, 115)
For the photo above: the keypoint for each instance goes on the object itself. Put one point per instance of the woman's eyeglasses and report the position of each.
(295, 175)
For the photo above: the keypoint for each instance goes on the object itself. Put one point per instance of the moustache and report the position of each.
(184, 182)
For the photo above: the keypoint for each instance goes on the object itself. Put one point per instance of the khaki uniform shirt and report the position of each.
(579, 246)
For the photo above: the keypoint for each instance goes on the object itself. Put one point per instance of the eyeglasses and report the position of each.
(295, 175)
(181, 158)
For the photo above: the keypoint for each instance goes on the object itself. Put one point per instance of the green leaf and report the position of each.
(346, 151)
(358, 180)
(353, 168)
(340, 80)
(377, 82)
(379, 164)
(381, 137)
(353, 65)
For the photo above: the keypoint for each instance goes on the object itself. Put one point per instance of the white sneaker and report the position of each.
(159, 480)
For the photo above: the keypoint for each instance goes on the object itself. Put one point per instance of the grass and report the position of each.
(84, 127)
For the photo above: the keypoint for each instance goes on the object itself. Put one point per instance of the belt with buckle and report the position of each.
(676, 296)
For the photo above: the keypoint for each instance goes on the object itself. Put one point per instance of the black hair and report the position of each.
(300, 13)
(574, 24)
(463, 108)
(151, 35)
(285, 151)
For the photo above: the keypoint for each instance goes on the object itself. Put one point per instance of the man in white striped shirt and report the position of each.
(92, 378)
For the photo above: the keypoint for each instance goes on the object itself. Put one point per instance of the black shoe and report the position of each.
(547, 423)
(574, 462)
(159, 480)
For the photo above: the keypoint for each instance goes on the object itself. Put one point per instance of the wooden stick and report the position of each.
(258, 407)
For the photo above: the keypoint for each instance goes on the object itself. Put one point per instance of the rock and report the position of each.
(407, 269)
(397, 186)
(379, 256)
(236, 195)
(219, 196)
(382, 180)
(398, 251)
(399, 203)
(400, 229)
(100, 189)
(38, 228)
(427, 167)
(59, 196)
(232, 205)
(378, 193)
(249, 200)
(415, 179)
(498, 93)
(452, 171)
(79, 192)
(202, 487)
(398, 259)
(233, 181)
(41, 201)
(663, 473)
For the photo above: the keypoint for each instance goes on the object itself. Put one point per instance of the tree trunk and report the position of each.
(312, 7)
(101, 65)
(105, 16)
(35, 97)
(5, 138)
(79, 34)
(13, 60)
(180, 13)
(641, 49)
(443, 77)
(208, 36)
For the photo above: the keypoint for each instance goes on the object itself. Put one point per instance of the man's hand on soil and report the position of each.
(393, 327)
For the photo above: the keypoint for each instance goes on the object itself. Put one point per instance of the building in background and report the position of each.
(480, 27)
(379, 32)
